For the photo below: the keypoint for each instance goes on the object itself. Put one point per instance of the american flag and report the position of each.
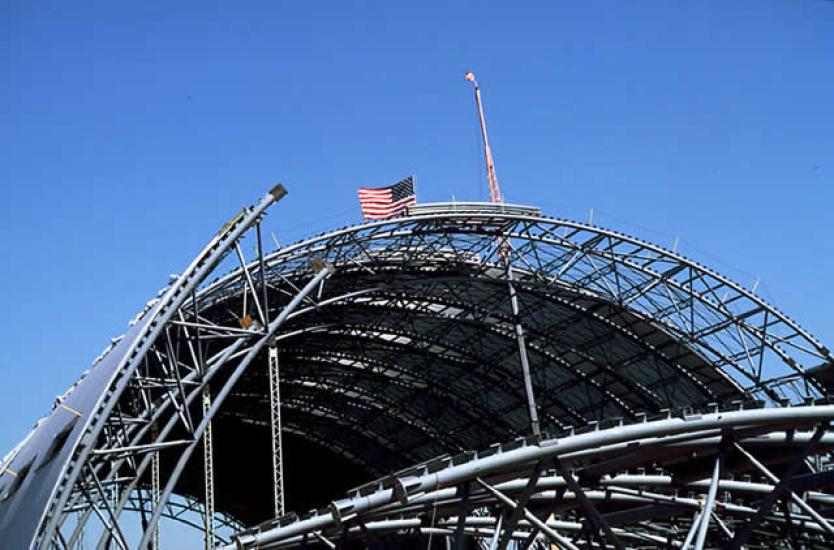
(386, 202)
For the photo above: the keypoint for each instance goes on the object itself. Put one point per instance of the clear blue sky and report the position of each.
(129, 132)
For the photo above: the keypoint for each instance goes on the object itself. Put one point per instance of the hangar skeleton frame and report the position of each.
(400, 334)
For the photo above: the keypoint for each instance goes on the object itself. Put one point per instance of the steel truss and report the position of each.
(603, 488)
(413, 283)
(147, 390)
(760, 348)
(407, 339)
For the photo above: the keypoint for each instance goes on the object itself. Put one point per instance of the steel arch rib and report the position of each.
(386, 498)
(380, 231)
(445, 238)
(380, 293)
(159, 411)
(536, 335)
(173, 298)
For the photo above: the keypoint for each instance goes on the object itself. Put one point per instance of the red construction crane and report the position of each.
(494, 190)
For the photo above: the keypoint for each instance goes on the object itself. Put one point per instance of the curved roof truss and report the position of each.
(419, 306)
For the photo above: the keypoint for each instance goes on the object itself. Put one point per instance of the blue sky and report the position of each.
(129, 132)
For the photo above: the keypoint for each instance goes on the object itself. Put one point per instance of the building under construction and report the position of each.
(465, 375)
(462, 375)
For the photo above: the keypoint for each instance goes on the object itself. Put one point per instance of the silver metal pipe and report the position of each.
(706, 513)
(504, 461)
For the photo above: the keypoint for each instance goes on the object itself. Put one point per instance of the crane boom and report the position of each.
(494, 189)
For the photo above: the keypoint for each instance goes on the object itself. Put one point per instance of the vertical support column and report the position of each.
(155, 496)
(275, 416)
(522, 352)
(208, 472)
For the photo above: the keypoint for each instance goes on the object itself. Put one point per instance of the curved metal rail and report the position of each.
(594, 486)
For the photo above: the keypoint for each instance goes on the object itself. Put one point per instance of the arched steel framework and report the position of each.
(603, 488)
(410, 339)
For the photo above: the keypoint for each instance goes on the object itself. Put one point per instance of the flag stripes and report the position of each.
(385, 202)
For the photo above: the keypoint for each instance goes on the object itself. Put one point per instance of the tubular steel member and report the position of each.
(553, 258)
(436, 489)
(552, 534)
(96, 395)
(709, 504)
(411, 350)
(735, 330)
(224, 392)
(532, 409)
(204, 378)
(213, 366)
(796, 499)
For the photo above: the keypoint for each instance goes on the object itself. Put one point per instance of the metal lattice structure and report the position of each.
(670, 406)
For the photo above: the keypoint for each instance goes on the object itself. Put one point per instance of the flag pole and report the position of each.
(494, 190)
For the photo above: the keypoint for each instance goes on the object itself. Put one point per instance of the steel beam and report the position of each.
(208, 471)
(532, 410)
(223, 393)
(558, 539)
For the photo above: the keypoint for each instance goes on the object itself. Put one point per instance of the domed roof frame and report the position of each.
(757, 349)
